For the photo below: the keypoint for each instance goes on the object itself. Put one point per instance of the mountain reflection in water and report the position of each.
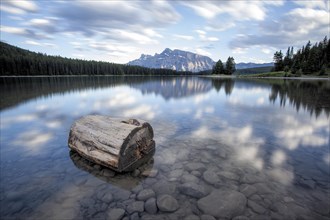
(311, 95)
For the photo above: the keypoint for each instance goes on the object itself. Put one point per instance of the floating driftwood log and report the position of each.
(122, 145)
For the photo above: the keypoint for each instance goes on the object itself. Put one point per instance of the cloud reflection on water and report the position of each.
(294, 132)
(141, 111)
(7, 121)
(33, 140)
(246, 146)
(249, 97)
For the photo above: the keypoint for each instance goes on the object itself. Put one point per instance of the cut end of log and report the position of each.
(122, 145)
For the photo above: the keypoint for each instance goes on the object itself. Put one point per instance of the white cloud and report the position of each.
(183, 37)
(110, 47)
(23, 32)
(239, 50)
(204, 9)
(219, 25)
(19, 7)
(308, 20)
(16, 18)
(203, 52)
(152, 33)
(12, 10)
(48, 25)
(202, 35)
(266, 50)
(31, 42)
(313, 4)
(211, 39)
(275, 3)
(13, 30)
(239, 10)
(35, 43)
(38, 21)
(127, 35)
(136, 17)
(293, 28)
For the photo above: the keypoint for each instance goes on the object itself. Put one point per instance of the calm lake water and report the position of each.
(225, 149)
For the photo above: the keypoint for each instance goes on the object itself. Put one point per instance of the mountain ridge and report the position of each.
(181, 60)
(248, 65)
(176, 60)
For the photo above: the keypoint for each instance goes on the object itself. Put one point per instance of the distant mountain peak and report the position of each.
(181, 60)
(252, 65)
(167, 50)
(175, 59)
(144, 56)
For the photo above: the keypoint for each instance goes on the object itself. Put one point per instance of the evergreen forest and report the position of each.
(20, 62)
(310, 59)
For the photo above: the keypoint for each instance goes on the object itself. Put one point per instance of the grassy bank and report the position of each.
(287, 74)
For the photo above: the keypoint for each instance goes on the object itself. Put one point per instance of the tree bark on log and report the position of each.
(121, 145)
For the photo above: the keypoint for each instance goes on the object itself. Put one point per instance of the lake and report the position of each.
(225, 149)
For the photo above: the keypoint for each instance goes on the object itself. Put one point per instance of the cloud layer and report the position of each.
(118, 27)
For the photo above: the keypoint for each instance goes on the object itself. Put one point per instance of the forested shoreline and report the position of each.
(307, 60)
(20, 62)
(14, 61)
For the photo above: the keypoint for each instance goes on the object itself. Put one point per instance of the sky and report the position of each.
(120, 31)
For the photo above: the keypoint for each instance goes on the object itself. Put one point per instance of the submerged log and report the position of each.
(122, 145)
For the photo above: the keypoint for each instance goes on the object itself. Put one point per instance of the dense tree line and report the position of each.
(308, 60)
(17, 61)
(227, 69)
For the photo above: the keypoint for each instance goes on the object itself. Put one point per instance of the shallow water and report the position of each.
(256, 148)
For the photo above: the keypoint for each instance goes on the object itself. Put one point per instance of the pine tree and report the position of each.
(287, 62)
(230, 66)
(218, 68)
(278, 61)
(291, 53)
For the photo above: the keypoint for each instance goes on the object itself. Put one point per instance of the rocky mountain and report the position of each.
(184, 61)
(175, 59)
(252, 65)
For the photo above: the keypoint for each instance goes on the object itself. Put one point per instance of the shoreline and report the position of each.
(263, 77)
(206, 76)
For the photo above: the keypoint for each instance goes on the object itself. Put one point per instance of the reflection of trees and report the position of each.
(21, 89)
(227, 83)
(310, 95)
